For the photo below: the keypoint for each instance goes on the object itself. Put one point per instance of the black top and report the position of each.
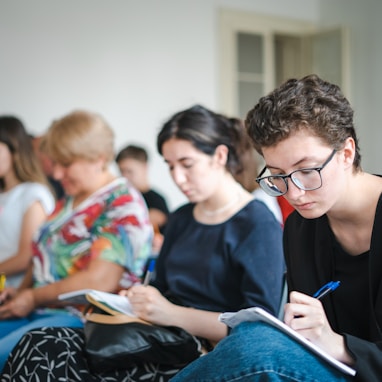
(312, 260)
(345, 269)
(57, 188)
(154, 200)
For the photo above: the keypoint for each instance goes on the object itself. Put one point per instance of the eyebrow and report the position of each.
(180, 159)
(293, 165)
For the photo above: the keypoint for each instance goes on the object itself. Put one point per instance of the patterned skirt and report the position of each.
(57, 354)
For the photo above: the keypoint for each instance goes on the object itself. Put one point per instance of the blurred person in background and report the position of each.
(98, 237)
(46, 163)
(25, 199)
(133, 163)
(247, 173)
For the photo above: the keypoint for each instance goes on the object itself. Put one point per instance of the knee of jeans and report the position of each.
(255, 335)
(249, 330)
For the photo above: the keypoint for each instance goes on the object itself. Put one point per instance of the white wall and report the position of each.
(134, 61)
(363, 18)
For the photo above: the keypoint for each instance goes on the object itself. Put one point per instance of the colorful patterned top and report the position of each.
(112, 224)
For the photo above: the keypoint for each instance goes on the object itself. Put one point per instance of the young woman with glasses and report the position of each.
(304, 130)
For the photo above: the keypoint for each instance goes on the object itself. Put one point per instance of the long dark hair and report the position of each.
(206, 130)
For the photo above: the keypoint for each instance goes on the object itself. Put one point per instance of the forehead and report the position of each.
(130, 162)
(179, 149)
(298, 147)
(3, 146)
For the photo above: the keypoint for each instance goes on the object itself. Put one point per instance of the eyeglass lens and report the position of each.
(306, 179)
(303, 179)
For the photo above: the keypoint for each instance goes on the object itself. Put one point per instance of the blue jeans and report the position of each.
(257, 352)
(12, 330)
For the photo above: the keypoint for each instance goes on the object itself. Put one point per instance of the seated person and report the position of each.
(305, 131)
(25, 199)
(39, 148)
(221, 252)
(246, 176)
(132, 162)
(96, 233)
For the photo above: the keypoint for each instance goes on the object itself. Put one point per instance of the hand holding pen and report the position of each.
(306, 315)
(301, 304)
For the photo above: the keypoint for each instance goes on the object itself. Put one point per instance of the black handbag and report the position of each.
(120, 341)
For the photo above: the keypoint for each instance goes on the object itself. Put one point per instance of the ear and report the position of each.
(102, 163)
(221, 155)
(348, 152)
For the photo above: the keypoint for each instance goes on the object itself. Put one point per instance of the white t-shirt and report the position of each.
(270, 202)
(13, 205)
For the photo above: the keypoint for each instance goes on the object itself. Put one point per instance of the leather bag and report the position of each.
(119, 341)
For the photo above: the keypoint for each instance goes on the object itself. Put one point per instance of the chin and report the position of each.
(69, 192)
(191, 199)
(311, 214)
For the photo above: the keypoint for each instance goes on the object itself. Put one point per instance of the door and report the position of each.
(259, 52)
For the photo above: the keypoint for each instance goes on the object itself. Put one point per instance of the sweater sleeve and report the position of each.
(175, 223)
(262, 254)
(368, 358)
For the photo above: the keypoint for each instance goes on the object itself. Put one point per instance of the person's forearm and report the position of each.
(28, 279)
(103, 276)
(15, 264)
(199, 323)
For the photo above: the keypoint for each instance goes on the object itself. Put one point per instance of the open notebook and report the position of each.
(110, 302)
(258, 314)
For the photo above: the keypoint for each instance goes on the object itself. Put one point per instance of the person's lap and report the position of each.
(258, 352)
(12, 330)
(57, 353)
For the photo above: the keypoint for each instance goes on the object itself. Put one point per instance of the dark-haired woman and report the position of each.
(25, 199)
(222, 252)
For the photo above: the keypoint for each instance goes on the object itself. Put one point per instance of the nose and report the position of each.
(58, 171)
(293, 192)
(178, 176)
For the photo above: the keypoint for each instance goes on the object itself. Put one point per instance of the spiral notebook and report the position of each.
(258, 314)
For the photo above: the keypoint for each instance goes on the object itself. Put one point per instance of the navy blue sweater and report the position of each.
(226, 266)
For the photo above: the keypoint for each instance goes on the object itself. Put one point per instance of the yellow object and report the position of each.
(3, 279)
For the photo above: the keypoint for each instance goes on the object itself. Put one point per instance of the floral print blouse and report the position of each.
(112, 224)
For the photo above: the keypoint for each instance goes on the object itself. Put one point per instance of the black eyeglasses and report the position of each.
(306, 179)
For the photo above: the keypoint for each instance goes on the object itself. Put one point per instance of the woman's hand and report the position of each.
(19, 306)
(150, 305)
(306, 315)
(7, 294)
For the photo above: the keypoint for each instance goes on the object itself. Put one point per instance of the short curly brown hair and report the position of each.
(310, 103)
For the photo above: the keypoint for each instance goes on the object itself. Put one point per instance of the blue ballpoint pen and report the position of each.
(149, 272)
(327, 288)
